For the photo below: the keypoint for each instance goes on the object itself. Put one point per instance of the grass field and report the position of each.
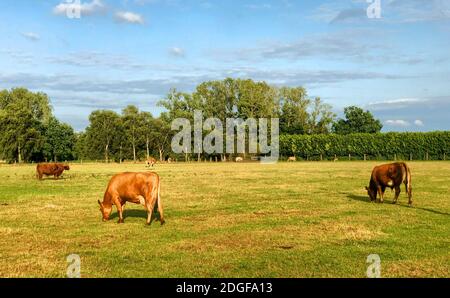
(304, 219)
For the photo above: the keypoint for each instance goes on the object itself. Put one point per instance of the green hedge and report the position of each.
(419, 146)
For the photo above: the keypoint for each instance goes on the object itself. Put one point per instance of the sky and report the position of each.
(393, 61)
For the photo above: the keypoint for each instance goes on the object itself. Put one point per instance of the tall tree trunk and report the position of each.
(148, 149)
(19, 149)
(161, 154)
(106, 153)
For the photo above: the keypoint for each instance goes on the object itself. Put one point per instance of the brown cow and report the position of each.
(392, 176)
(50, 169)
(137, 188)
(150, 162)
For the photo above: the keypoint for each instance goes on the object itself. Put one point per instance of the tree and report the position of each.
(256, 100)
(59, 141)
(133, 124)
(161, 134)
(102, 133)
(294, 110)
(80, 148)
(321, 118)
(148, 127)
(23, 116)
(357, 121)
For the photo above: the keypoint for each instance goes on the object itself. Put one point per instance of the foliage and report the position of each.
(380, 145)
(23, 117)
(59, 141)
(357, 121)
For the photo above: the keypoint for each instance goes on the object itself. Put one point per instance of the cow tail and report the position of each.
(159, 192)
(408, 181)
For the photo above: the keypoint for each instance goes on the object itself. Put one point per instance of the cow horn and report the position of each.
(100, 203)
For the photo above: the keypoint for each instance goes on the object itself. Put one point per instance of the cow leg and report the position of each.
(161, 212)
(409, 192)
(119, 209)
(149, 207)
(381, 193)
(397, 193)
(123, 207)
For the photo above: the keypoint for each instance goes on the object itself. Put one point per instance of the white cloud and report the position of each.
(419, 122)
(31, 36)
(401, 123)
(395, 103)
(129, 17)
(84, 8)
(177, 52)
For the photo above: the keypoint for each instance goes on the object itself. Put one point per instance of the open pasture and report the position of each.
(302, 219)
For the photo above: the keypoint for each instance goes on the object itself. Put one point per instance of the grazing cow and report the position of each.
(50, 169)
(137, 188)
(150, 162)
(239, 159)
(169, 160)
(292, 158)
(392, 176)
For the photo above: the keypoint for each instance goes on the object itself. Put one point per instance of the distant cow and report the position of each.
(239, 159)
(150, 162)
(392, 176)
(50, 169)
(292, 158)
(137, 188)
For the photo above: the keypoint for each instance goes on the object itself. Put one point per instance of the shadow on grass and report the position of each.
(426, 209)
(53, 179)
(358, 198)
(135, 213)
(365, 199)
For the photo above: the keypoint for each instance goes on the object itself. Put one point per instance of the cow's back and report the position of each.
(127, 185)
(390, 174)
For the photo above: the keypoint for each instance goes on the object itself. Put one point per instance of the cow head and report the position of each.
(372, 194)
(106, 211)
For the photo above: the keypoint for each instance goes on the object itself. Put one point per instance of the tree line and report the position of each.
(30, 132)
(376, 146)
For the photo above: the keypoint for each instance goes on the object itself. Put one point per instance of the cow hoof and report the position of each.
(163, 222)
(121, 221)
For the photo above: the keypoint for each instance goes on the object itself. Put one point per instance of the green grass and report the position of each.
(304, 219)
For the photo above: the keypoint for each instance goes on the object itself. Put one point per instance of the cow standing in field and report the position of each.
(137, 188)
(292, 158)
(239, 159)
(392, 176)
(51, 169)
(150, 162)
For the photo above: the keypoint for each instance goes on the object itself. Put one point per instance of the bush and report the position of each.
(418, 146)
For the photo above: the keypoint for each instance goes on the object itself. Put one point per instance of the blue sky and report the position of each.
(123, 52)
